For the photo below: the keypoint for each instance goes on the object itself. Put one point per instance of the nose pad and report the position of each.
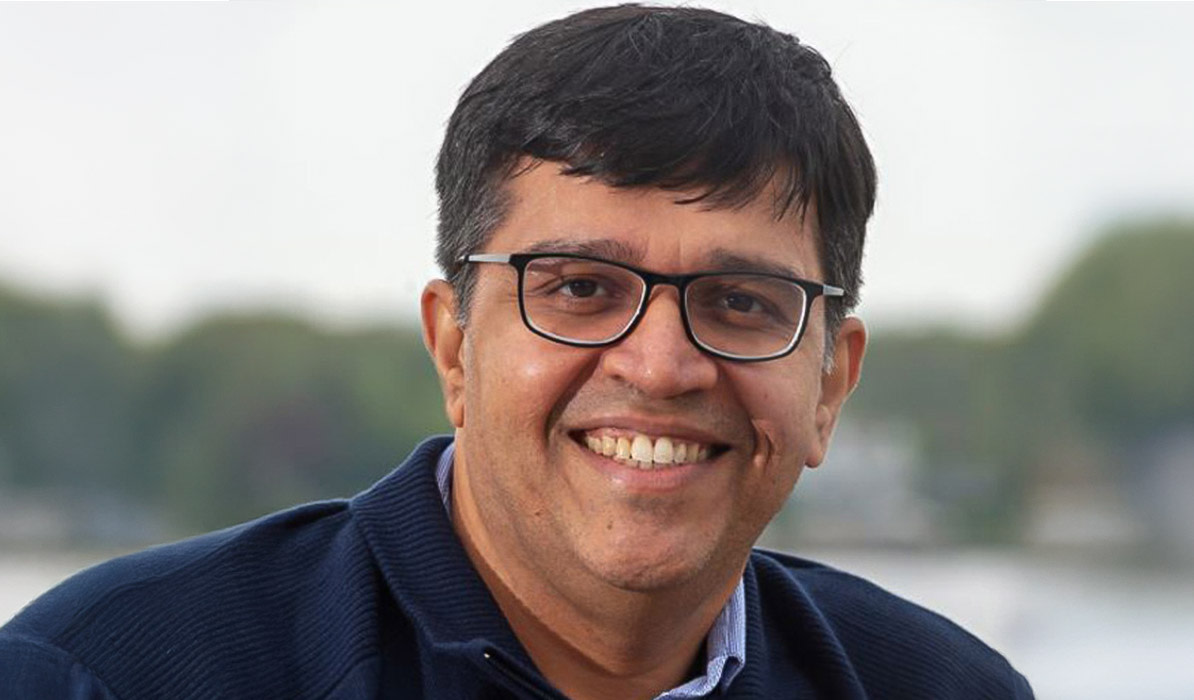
(657, 356)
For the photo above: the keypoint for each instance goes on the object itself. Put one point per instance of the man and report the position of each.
(651, 225)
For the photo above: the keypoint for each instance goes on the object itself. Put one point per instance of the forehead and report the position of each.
(648, 227)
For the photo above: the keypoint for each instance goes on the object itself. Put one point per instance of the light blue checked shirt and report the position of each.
(725, 647)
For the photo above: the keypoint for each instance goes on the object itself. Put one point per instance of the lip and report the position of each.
(671, 479)
(653, 427)
(631, 479)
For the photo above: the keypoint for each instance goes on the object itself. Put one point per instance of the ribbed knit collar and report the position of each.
(424, 564)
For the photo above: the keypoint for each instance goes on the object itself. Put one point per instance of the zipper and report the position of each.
(515, 674)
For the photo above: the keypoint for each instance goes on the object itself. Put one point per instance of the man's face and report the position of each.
(527, 408)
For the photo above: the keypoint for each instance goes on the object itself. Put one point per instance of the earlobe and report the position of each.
(444, 339)
(838, 383)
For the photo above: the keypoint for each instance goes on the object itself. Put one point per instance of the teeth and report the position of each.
(663, 451)
(640, 451)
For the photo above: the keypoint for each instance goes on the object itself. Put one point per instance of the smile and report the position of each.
(643, 451)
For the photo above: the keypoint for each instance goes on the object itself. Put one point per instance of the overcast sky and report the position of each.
(180, 158)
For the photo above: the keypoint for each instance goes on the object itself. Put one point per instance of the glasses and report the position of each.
(588, 302)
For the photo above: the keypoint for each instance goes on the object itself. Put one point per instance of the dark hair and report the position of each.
(673, 97)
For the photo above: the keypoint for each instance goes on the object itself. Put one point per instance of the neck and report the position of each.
(590, 639)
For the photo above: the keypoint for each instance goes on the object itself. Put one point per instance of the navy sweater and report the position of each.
(375, 598)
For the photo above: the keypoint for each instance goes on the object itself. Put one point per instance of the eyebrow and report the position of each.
(722, 260)
(604, 248)
(719, 260)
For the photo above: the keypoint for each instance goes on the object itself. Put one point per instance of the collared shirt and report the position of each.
(725, 645)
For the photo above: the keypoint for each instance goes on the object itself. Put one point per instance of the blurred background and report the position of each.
(215, 220)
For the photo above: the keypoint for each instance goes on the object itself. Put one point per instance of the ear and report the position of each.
(444, 339)
(838, 382)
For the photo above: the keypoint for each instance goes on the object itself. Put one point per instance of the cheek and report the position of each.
(521, 379)
(786, 401)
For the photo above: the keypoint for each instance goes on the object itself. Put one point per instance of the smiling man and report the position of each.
(651, 227)
(619, 450)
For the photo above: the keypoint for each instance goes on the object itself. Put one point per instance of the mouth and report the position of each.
(647, 452)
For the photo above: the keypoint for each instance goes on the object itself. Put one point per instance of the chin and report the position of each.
(634, 569)
(647, 579)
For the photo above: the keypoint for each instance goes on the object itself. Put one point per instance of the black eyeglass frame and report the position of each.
(519, 262)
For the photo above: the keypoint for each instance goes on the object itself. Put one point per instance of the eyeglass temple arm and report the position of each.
(485, 257)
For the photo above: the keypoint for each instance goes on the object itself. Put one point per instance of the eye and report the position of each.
(742, 303)
(581, 287)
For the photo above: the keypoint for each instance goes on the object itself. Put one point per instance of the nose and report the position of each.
(657, 357)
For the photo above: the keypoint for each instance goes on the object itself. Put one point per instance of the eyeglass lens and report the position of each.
(589, 301)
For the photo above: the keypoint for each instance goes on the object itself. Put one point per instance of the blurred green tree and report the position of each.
(245, 415)
(1116, 334)
(67, 396)
(1103, 367)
